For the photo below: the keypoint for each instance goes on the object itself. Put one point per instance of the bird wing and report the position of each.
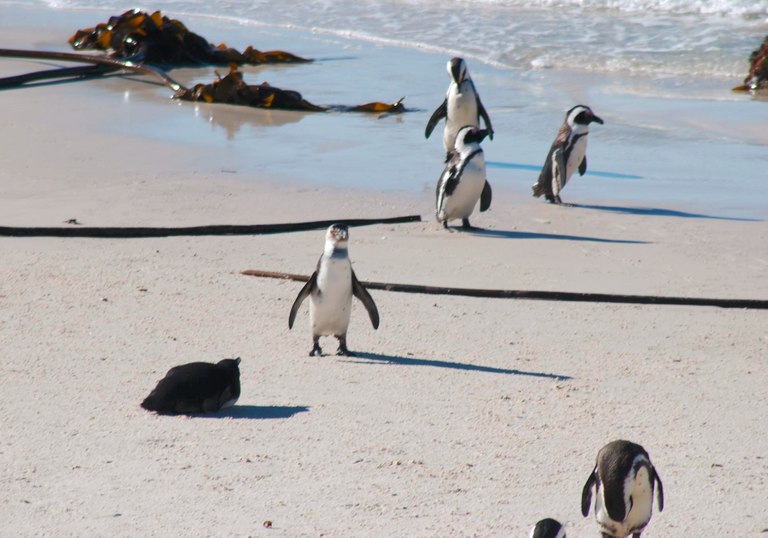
(437, 115)
(483, 114)
(448, 181)
(544, 184)
(485, 197)
(558, 170)
(303, 294)
(583, 166)
(660, 498)
(361, 293)
(586, 493)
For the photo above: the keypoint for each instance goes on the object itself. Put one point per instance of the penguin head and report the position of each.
(230, 364)
(457, 69)
(337, 235)
(469, 136)
(581, 115)
(548, 528)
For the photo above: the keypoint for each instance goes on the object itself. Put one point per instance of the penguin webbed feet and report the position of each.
(343, 351)
(465, 225)
(316, 349)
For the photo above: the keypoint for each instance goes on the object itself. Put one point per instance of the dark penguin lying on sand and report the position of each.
(624, 480)
(198, 387)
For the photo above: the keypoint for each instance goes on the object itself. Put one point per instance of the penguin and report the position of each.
(548, 528)
(330, 290)
(624, 480)
(197, 387)
(568, 153)
(462, 106)
(463, 182)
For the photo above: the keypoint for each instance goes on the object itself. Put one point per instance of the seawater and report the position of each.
(708, 38)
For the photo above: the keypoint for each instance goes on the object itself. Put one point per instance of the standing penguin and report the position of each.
(197, 387)
(330, 290)
(624, 479)
(568, 152)
(462, 106)
(463, 182)
(548, 528)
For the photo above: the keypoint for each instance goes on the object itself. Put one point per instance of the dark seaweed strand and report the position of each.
(539, 295)
(224, 229)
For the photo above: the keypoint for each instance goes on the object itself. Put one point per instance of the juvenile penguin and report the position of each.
(462, 106)
(567, 154)
(624, 479)
(548, 528)
(330, 290)
(197, 387)
(463, 182)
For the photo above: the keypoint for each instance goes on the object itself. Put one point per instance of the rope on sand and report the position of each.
(223, 229)
(537, 295)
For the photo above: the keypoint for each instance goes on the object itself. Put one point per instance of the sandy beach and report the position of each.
(459, 417)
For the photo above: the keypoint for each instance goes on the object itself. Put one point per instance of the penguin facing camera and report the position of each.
(624, 481)
(461, 107)
(463, 182)
(567, 154)
(330, 290)
(197, 387)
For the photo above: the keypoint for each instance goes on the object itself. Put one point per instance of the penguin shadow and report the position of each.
(256, 412)
(509, 234)
(375, 358)
(655, 212)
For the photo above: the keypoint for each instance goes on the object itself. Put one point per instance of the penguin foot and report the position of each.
(465, 225)
(316, 351)
(557, 200)
(550, 198)
(345, 352)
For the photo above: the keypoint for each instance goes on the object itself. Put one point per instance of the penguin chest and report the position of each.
(462, 111)
(330, 304)
(578, 152)
(461, 202)
(638, 498)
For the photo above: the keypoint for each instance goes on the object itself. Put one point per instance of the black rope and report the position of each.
(539, 295)
(223, 229)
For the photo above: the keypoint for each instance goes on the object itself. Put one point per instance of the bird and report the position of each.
(463, 182)
(330, 290)
(548, 528)
(462, 106)
(197, 387)
(567, 154)
(624, 480)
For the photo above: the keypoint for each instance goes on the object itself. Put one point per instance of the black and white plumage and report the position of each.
(461, 107)
(463, 182)
(548, 528)
(624, 481)
(567, 154)
(197, 387)
(330, 290)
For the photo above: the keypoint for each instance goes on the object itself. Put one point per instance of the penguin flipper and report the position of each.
(361, 293)
(558, 171)
(485, 197)
(437, 115)
(660, 494)
(483, 114)
(583, 166)
(303, 294)
(586, 494)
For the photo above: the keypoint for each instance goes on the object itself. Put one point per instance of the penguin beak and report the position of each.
(595, 119)
(481, 134)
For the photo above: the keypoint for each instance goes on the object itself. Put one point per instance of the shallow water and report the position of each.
(682, 143)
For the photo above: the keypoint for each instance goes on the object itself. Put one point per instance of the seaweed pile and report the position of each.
(233, 90)
(155, 39)
(757, 79)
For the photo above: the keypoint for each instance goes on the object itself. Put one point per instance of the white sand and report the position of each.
(450, 423)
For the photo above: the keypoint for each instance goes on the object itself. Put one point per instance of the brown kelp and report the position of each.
(233, 90)
(757, 79)
(156, 39)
